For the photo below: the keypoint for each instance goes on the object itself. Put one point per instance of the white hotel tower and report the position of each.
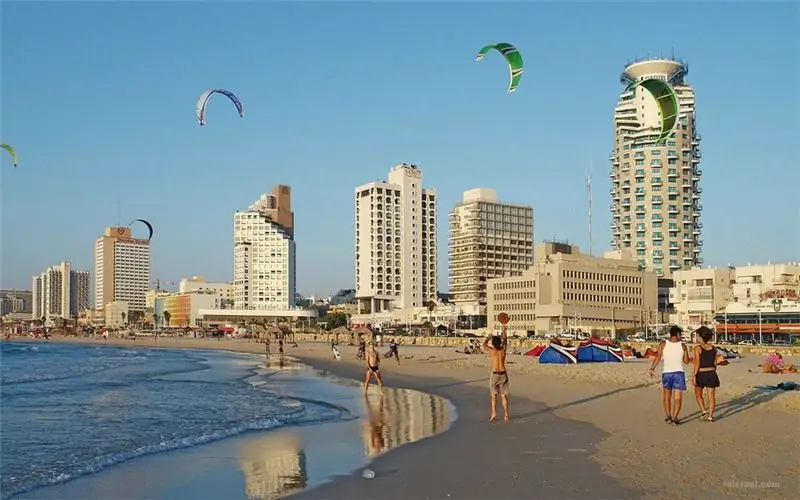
(264, 253)
(655, 190)
(395, 242)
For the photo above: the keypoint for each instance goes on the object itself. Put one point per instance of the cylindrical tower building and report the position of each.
(655, 188)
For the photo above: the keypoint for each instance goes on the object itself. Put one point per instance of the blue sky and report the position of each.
(98, 99)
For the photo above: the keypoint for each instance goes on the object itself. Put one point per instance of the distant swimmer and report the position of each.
(373, 362)
(498, 380)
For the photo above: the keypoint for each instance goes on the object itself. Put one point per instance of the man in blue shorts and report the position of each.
(673, 379)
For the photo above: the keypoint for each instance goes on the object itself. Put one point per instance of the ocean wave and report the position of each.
(134, 405)
(102, 462)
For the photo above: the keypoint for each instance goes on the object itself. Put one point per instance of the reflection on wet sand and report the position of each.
(402, 416)
(273, 466)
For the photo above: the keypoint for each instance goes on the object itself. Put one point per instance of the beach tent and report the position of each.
(598, 351)
(340, 332)
(536, 351)
(278, 332)
(558, 354)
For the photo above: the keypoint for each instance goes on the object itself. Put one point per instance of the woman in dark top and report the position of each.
(705, 373)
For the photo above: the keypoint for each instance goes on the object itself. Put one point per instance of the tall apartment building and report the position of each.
(122, 269)
(264, 253)
(488, 239)
(60, 291)
(655, 188)
(567, 289)
(395, 242)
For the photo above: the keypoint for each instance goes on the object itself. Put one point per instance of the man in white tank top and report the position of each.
(673, 379)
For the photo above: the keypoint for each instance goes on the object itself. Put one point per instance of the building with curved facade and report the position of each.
(655, 187)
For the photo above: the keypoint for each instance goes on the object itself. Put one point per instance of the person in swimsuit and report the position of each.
(705, 373)
(498, 380)
(673, 379)
(373, 361)
(280, 347)
(266, 347)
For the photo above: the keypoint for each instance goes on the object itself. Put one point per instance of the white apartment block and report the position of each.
(488, 239)
(60, 292)
(655, 188)
(264, 254)
(700, 294)
(122, 269)
(395, 242)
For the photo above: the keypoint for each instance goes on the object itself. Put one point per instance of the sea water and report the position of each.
(72, 410)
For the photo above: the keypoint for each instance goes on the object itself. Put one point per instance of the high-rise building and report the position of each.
(122, 269)
(60, 291)
(264, 253)
(488, 239)
(395, 242)
(655, 188)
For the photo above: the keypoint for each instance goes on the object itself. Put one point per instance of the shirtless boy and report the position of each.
(373, 361)
(498, 381)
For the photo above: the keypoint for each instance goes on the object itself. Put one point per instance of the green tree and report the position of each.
(167, 316)
(334, 320)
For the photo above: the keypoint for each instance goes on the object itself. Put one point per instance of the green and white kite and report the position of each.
(513, 58)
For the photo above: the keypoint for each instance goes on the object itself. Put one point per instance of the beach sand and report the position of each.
(579, 431)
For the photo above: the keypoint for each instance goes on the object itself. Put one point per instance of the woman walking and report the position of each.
(705, 373)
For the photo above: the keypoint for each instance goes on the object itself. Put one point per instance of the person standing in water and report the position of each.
(498, 380)
(705, 373)
(373, 362)
(266, 347)
(673, 379)
(393, 350)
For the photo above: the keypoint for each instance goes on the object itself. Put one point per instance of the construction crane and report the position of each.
(158, 282)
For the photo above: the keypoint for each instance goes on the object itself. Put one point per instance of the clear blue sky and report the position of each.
(99, 100)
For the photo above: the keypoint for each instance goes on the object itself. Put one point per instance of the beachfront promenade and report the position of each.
(580, 431)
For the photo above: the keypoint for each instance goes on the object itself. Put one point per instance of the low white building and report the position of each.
(116, 314)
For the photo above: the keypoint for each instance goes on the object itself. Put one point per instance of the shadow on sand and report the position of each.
(583, 400)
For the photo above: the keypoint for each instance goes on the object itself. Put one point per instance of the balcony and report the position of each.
(626, 202)
(699, 208)
(696, 139)
(696, 229)
(698, 190)
(697, 154)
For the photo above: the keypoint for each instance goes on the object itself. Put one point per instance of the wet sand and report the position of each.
(580, 431)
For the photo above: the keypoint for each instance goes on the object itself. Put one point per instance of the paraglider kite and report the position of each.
(12, 152)
(667, 102)
(513, 58)
(149, 227)
(203, 101)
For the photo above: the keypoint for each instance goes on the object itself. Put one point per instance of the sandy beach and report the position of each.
(578, 431)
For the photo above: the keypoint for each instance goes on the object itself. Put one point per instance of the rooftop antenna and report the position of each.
(589, 202)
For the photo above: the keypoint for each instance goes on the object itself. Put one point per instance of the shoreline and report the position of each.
(345, 445)
(571, 436)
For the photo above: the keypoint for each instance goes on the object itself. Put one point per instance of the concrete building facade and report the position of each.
(264, 274)
(701, 295)
(122, 269)
(224, 291)
(655, 188)
(396, 247)
(488, 239)
(569, 290)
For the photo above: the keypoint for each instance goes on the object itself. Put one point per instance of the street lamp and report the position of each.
(760, 337)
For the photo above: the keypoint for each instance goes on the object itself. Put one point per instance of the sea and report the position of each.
(67, 411)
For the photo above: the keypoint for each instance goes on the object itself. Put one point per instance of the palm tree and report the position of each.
(155, 320)
(431, 306)
(167, 316)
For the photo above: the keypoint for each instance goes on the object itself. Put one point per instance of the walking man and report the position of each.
(373, 361)
(673, 379)
(498, 380)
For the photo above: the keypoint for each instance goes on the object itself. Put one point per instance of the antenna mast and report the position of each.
(589, 203)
